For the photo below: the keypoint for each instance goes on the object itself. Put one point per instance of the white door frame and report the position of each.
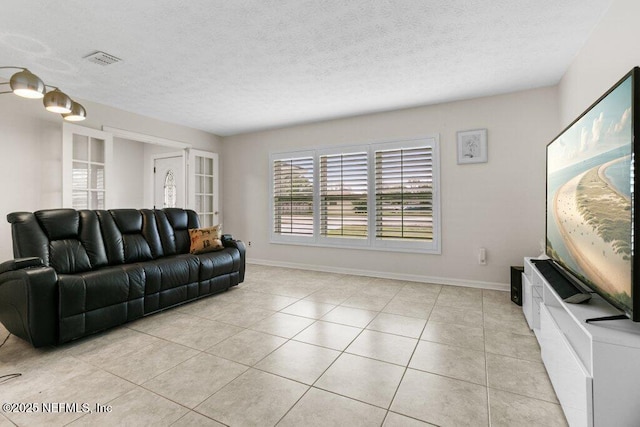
(149, 160)
(149, 139)
(188, 154)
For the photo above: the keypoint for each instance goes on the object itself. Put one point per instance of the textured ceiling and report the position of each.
(236, 66)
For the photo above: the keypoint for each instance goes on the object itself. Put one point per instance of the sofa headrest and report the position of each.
(128, 220)
(178, 218)
(59, 224)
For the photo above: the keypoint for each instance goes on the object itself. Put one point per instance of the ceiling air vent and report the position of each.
(102, 58)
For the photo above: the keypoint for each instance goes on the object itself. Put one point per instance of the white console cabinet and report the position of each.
(595, 367)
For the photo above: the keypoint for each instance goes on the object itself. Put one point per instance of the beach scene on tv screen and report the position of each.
(589, 196)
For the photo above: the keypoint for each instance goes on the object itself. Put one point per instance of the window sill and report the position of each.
(346, 245)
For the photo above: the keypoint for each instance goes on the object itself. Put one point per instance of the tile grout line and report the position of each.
(486, 365)
(393, 398)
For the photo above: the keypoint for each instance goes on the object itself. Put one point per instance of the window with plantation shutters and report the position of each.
(382, 196)
(293, 196)
(344, 195)
(404, 193)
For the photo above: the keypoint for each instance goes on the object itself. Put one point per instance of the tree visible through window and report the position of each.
(293, 196)
(343, 195)
(404, 194)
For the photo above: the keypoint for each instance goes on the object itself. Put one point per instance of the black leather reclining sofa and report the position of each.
(79, 272)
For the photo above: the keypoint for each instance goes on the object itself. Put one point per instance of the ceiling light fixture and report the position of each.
(57, 102)
(27, 85)
(77, 113)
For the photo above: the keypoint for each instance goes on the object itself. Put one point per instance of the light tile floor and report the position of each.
(297, 348)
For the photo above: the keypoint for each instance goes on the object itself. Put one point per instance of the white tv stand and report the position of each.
(595, 367)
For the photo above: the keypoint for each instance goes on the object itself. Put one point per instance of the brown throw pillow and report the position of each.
(205, 239)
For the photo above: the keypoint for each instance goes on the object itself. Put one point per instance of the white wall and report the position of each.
(611, 51)
(129, 179)
(30, 154)
(498, 205)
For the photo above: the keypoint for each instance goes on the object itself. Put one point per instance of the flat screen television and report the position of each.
(591, 225)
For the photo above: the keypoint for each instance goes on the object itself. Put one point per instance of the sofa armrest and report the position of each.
(238, 244)
(19, 263)
(29, 302)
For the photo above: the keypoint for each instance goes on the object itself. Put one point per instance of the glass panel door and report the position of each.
(204, 186)
(86, 156)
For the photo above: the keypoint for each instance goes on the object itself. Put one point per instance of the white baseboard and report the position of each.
(385, 275)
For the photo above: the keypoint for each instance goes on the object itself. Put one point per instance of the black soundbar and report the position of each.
(564, 286)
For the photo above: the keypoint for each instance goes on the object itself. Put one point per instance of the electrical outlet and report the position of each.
(482, 256)
(249, 243)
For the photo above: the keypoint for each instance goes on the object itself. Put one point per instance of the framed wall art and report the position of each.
(472, 146)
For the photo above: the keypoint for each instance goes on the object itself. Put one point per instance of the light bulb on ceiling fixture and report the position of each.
(77, 114)
(27, 85)
(57, 102)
